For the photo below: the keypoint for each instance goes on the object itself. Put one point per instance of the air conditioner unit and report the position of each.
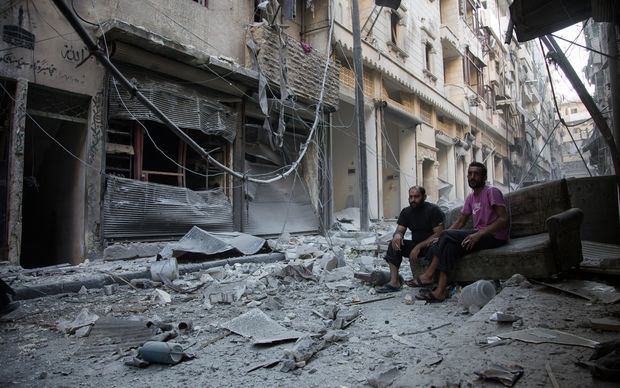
(394, 4)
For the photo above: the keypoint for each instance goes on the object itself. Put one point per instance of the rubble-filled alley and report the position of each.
(304, 320)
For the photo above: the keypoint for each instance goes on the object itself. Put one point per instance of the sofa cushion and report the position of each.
(529, 256)
(530, 207)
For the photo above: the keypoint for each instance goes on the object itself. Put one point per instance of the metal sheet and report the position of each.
(134, 209)
(184, 105)
(280, 206)
(203, 242)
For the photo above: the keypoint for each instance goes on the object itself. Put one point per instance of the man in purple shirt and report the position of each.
(490, 219)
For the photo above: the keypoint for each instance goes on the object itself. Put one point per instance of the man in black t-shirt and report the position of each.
(425, 221)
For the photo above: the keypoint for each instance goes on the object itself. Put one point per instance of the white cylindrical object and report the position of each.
(161, 352)
(167, 268)
(477, 294)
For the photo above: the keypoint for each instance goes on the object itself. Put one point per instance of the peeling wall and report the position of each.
(46, 50)
(217, 29)
(15, 177)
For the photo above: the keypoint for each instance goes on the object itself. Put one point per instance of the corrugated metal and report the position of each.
(279, 206)
(135, 209)
(182, 104)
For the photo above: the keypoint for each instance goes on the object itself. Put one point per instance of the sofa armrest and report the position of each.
(565, 237)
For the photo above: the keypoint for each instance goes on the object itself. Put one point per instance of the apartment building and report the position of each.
(442, 89)
(86, 163)
(599, 74)
(579, 129)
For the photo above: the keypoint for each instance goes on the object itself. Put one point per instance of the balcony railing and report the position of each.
(347, 78)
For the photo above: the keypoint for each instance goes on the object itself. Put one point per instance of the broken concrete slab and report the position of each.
(259, 327)
(84, 318)
(606, 323)
(539, 335)
(384, 379)
(589, 290)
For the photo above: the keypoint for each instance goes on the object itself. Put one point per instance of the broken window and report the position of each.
(426, 112)
(428, 57)
(469, 11)
(154, 154)
(139, 146)
(498, 168)
(473, 72)
(394, 21)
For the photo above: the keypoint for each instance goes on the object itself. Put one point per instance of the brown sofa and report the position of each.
(544, 237)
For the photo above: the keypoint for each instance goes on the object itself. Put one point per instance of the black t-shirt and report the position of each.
(421, 220)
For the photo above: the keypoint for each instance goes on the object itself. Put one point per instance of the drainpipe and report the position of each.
(379, 119)
(359, 112)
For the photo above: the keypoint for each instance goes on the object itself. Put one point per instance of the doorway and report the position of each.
(54, 185)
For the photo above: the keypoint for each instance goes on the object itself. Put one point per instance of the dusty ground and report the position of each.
(422, 345)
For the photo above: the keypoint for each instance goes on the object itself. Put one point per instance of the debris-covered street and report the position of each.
(305, 320)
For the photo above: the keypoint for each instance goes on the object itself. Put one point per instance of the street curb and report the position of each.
(102, 279)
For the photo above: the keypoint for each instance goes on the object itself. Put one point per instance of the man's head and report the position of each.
(476, 175)
(417, 196)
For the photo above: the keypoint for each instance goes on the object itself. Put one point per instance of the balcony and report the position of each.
(449, 43)
(305, 68)
(347, 79)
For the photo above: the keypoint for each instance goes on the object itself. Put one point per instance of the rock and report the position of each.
(383, 379)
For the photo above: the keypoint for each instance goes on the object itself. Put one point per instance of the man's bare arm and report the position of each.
(398, 236)
(460, 222)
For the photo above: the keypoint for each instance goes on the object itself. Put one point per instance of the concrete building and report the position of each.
(442, 89)
(85, 164)
(599, 73)
(579, 129)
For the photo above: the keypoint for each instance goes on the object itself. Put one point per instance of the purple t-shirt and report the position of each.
(481, 207)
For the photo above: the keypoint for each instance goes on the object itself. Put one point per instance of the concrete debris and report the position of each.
(297, 272)
(606, 323)
(320, 300)
(516, 280)
(506, 375)
(384, 379)
(84, 318)
(124, 251)
(163, 296)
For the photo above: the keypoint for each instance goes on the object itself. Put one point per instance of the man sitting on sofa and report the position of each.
(490, 219)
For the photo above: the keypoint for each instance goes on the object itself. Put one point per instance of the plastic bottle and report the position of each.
(477, 294)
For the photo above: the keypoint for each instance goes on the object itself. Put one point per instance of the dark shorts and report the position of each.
(396, 258)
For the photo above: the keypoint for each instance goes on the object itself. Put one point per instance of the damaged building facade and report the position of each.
(442, 89)
(86, 164)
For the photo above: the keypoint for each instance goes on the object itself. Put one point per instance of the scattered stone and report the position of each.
(163, 296)
(383, 379)
(109, 289)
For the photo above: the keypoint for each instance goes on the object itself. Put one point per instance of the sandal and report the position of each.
(428, 297)
(387, 288)
(417, 282)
